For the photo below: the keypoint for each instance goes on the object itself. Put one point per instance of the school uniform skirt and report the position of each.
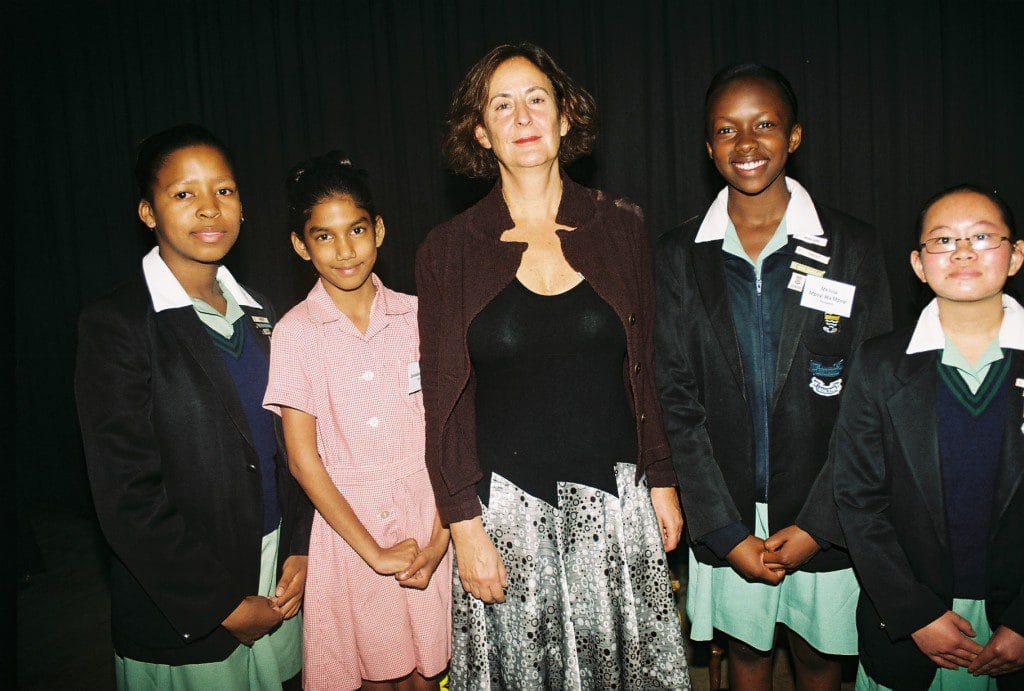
(588, 605)
(275, 658)
(950, 679)
(819, 607)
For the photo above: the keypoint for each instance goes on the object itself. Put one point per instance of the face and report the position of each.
(966, 274)
(341, 241)
(750, 136)
(196, 211)
(521, 122)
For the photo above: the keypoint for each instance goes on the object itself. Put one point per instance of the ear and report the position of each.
(707, 147)
(481, 136)
(1017, 258)
(145, 212)
(378, 231)
(300, 247)
(796, 135)
(918, 265)
(563, 125)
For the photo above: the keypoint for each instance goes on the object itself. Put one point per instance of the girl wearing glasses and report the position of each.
(929, 453)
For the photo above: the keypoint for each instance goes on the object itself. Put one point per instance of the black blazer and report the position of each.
(700, 379)
(174, 476)
(888, 488)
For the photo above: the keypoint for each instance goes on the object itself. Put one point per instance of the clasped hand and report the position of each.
(411, 566)
(947, 642)
(771, 559)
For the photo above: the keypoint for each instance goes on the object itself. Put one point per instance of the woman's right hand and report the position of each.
(252, 619)
(748, 560)
(391, 560)
(480, 567)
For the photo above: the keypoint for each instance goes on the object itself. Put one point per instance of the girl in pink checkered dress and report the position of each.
(344, 376)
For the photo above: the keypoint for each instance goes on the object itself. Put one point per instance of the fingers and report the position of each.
(421, 560)
(290, 607)
(774, 542)
(943, 662)
(964, 626)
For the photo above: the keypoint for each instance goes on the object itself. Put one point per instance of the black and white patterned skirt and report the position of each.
(589, 604)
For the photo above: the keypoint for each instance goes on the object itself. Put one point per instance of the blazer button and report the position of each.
(631, 319)
(881, 625)
(186, 636)
(636, 367)
(252, 468)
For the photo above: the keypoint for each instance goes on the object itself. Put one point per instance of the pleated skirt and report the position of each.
(589, 603)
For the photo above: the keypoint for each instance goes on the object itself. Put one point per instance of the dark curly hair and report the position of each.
(465, 155)
(321, 178)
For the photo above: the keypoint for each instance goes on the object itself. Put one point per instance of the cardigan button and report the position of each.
(631, 319)
(636, 367)
(252, 468)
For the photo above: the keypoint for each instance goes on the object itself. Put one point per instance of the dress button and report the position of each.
(384, 514)
(636, 367)
(631, 319)
(373, 422)
(366, 376)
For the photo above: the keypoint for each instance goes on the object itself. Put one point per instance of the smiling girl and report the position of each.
(929, 456)
(760, 303)
(344, 377)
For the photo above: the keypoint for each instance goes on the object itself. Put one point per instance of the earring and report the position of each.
(242, 214)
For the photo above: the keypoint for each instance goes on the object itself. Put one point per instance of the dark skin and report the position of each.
(750, 134)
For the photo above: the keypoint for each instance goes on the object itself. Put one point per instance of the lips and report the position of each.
(349, 270)
(526, 140)
(751, 165)
(209, 235)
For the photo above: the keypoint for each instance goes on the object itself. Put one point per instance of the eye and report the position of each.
(981, 237)
(503, 105)
(537, 99)
(765, 125)
(182, 195)
(226, 191)
(725, 130)
(942, 240)
(358, 230)
(322, 236)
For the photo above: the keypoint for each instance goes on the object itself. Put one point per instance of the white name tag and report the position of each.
(811, 254)
(796, 281)
(414, 377)
(819, 240)
(828, 296)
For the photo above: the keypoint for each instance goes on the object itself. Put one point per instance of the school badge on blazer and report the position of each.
(831, 324)
(821, 372)
(263, 324)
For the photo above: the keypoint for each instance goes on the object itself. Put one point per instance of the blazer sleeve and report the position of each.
(705, 496)
(657, 454)
(464, 504)
(862, 493)
(177, 569)
(873, 307)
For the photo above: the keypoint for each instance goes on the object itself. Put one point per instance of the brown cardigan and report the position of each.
(463, 265)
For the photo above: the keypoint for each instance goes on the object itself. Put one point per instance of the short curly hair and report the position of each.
(461, 148)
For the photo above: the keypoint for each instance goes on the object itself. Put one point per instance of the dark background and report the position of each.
(898, 99)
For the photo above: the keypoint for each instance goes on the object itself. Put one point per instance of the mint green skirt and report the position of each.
(950, 679)
(272, 659)
(819, 607)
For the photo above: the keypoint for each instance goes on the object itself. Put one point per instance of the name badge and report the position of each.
(819, 240)
(828, 296)
(803, 268)
(414, 377)
(811, 254)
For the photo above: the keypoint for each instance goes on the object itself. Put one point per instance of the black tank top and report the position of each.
(551, 400)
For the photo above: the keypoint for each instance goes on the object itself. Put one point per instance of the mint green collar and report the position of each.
(973, 375)
(731, 244)
(224, 324)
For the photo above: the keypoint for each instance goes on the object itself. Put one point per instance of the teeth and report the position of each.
(750, 165)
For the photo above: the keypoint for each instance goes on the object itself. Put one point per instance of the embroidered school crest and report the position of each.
(822, 389)
(831, 324)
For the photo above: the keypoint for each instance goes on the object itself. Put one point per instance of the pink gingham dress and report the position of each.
(358, 624)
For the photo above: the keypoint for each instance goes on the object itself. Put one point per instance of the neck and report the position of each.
(964, 322)
(532, 194)
(198, 280)
(354, 304)
(765, 208)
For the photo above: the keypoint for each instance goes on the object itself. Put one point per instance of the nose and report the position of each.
(522, 114)
(964, 249)
(745, 141)
(345, 249)
(208, 207)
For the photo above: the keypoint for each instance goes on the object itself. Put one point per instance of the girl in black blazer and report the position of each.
(207, 527)
(929, 457)
(760, 303)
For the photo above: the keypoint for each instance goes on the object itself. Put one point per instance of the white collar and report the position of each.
(167, 293)
(801, 216)
(928, 334)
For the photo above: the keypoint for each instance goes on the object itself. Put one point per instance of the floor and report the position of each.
(64, 614)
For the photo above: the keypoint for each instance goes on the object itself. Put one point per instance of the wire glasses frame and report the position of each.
(979, 242)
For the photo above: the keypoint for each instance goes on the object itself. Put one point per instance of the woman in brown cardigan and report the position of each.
(543, 428)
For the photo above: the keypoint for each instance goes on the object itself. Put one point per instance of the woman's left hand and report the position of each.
(291, 586)
(670, 516)
(1004, 653)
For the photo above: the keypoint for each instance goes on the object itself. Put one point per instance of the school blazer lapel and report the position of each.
(794, 319)
(187, 328)
(710, 276)
(1011, 461)
(912, 411)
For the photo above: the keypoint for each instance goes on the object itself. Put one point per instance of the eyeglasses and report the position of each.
(979, 242)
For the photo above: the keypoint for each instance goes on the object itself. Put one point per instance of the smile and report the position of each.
(209, 235)
(750, 165)
(349, 270)
(526, 140)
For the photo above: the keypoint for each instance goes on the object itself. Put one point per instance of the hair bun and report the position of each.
(339, 157)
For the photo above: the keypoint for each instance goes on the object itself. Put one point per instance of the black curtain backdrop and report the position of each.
(898, 99)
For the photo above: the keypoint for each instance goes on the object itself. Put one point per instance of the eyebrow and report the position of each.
(982, 222)
(361, 221)
(508, 94)
(189, 181)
